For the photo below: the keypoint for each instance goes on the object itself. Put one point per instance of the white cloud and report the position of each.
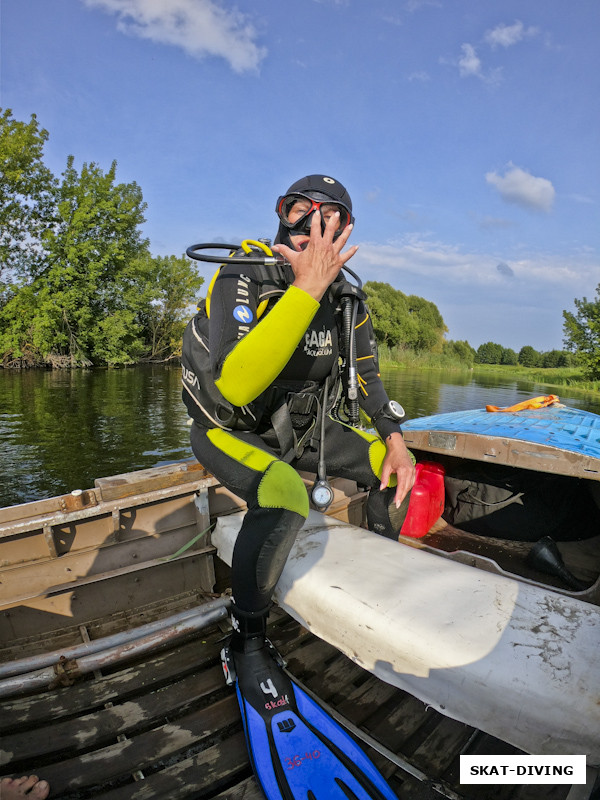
(515, 301)
(428, 260)
(520, 187)
(199, 27)
(581, 198)
(421, 77)
(469, 64)
(507, 35)
(447, 266)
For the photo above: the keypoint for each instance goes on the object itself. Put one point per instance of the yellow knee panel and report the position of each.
(280, 486)
(377, 452)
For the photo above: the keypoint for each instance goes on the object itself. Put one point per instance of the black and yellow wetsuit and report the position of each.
(258, 361)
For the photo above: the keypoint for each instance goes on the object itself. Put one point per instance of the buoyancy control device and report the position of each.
(202, 398)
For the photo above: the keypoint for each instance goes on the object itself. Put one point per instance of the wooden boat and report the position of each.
(113, 610)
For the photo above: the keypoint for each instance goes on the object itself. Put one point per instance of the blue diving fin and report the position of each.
(297, 751)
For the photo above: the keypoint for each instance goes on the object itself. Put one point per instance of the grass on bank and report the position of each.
(558, 376)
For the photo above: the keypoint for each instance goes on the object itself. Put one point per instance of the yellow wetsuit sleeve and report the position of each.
(258, 358)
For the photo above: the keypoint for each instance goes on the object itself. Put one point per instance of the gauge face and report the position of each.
(322, 494)
(396, 410)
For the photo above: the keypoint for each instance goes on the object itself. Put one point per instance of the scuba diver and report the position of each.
(275, 365)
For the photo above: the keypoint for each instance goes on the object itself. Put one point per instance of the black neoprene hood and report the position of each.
(322, 187)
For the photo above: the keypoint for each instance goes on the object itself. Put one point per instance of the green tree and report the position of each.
(389, 314)
(168, 284)
(528, 357)
(554, 358)
(405, 321)
(26, 197)
(83, 285)
(582, 334)
(509, 356)
(489, 353)
(461, 350)
(430, 327)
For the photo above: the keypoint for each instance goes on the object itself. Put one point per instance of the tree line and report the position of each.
(408, 322)
(493, 353)
(80, 287)
(78, 284)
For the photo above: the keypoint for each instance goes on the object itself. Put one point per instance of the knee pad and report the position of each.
(282, 487)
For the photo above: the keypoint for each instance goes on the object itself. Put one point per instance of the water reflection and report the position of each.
(59, 430)
(424, 392)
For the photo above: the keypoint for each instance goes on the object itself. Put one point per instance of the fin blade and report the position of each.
(347, 764)
(297, 750)
(308, 754)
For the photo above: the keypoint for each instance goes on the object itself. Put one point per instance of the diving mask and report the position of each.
(295, 211)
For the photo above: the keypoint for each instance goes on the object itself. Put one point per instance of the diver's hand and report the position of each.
(318, 265)
(397, 461)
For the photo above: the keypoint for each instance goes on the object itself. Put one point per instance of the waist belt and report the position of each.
(294, 423)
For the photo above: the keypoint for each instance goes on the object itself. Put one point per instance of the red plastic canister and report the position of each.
(426, 501)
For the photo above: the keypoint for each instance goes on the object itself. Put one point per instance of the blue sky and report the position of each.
(467, 132)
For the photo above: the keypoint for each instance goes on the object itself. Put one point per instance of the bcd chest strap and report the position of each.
(295, 416)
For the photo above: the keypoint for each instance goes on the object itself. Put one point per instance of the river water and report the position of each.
(60, 430)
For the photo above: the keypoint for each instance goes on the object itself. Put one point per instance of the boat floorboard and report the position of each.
(168, 727)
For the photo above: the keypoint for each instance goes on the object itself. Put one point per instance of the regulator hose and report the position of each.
(349, 312)
(194, 251)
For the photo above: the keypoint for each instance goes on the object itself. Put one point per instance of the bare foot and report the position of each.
(15, 788)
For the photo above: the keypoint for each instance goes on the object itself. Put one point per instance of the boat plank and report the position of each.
(32, 522)
(118, 487)
(289, 638)
(199, 775)
(103, 726)
(124, 684)
(437, 751)
(246, 790)
(396, 725)
(145, 751)
(310, 657)
(360, 704)
(336, 680)
(105, 524)
(175, 761)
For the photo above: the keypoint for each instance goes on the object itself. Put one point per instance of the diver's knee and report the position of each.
(282, 487)
(382, 515)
